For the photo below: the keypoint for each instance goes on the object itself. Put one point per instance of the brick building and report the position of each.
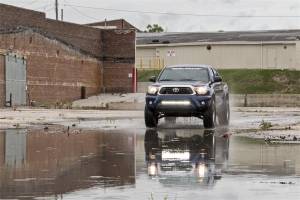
(117, 23)
(61, 61)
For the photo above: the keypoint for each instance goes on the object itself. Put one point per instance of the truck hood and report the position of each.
(179, 83)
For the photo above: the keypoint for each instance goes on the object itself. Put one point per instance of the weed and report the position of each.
(265, 125)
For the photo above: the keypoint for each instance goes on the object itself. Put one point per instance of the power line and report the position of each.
(50, 8)
(184, 14)
(81, 13)
(30, 3)
(43, 7)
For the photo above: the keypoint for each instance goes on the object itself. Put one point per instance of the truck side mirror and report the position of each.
(152, 79)
(218, 79)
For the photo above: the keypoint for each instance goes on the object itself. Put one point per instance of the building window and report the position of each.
(57, 52)
(30, 40)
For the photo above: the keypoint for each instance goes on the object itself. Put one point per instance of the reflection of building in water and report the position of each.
(2, 149)
(38, 163)
(185, 156)
(15, 148)
(255, 156)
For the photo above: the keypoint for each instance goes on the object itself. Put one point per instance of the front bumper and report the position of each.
(178, 105)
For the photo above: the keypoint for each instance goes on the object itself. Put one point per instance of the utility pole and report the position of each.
(56, 9)
(62, 15)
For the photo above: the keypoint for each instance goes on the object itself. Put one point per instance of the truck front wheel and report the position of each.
(224, 115)
(210, 116)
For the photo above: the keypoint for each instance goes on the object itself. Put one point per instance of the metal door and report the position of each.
(15, 76)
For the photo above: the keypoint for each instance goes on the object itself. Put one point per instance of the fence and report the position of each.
(150, 63)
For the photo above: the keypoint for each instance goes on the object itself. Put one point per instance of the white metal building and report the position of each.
(279, 49)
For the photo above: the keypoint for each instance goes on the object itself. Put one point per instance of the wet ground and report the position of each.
(117, 158)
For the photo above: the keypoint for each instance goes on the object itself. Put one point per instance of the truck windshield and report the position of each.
(185, 74)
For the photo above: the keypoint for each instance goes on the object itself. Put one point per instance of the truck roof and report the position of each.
(189, 66)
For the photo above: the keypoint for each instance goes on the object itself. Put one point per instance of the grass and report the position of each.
(144, 75)
(252, 81)
(265, 125)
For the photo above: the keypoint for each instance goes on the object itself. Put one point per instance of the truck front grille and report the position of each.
(176, 90)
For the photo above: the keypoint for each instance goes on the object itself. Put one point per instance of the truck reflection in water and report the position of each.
(184, 157)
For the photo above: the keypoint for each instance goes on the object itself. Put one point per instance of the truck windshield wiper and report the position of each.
(187, 79)
(166, 80)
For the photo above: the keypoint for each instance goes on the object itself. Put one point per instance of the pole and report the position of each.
(262, 55)
(56, 9)
(62, 15)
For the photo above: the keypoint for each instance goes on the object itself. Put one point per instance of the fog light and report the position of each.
(203, 102)
(185, 103)
(152, 170)
(150, 102)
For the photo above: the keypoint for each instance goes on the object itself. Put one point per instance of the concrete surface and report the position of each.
(129, 101)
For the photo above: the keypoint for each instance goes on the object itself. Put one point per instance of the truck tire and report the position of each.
(210, 116)
(224, 115)
(151, 119)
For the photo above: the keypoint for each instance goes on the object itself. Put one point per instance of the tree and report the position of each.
(155, 28)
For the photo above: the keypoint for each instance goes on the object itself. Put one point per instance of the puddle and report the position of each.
(43, 163)
(61, 163)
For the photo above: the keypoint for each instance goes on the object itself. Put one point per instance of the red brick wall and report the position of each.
(119, 44)
(115, 47)
(83, 37)
(115, 79)
(119, 23)
(54, 72)
(119, 59)
(11, 16)
(2, 81)
(86, 38)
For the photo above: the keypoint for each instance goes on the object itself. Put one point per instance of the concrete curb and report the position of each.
(137, 101)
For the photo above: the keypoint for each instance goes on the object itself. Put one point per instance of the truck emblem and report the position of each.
(175, 90)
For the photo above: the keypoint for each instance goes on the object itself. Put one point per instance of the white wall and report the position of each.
(275, 56)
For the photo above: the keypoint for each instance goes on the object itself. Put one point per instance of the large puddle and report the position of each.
(56, 163)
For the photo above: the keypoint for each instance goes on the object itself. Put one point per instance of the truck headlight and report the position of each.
(152, 89)
(201, 90)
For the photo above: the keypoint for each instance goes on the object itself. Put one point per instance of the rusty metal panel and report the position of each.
(15, 76)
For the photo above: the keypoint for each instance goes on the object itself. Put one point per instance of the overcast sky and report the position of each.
(220, 13)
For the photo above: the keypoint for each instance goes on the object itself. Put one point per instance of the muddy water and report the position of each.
(57, 163)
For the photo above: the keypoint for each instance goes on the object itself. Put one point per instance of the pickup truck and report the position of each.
(188, 91)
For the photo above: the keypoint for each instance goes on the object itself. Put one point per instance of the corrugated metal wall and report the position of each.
(15, 76)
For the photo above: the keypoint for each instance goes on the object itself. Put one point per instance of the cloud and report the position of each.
(183, 22)
(230, 1)
(294, 7)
